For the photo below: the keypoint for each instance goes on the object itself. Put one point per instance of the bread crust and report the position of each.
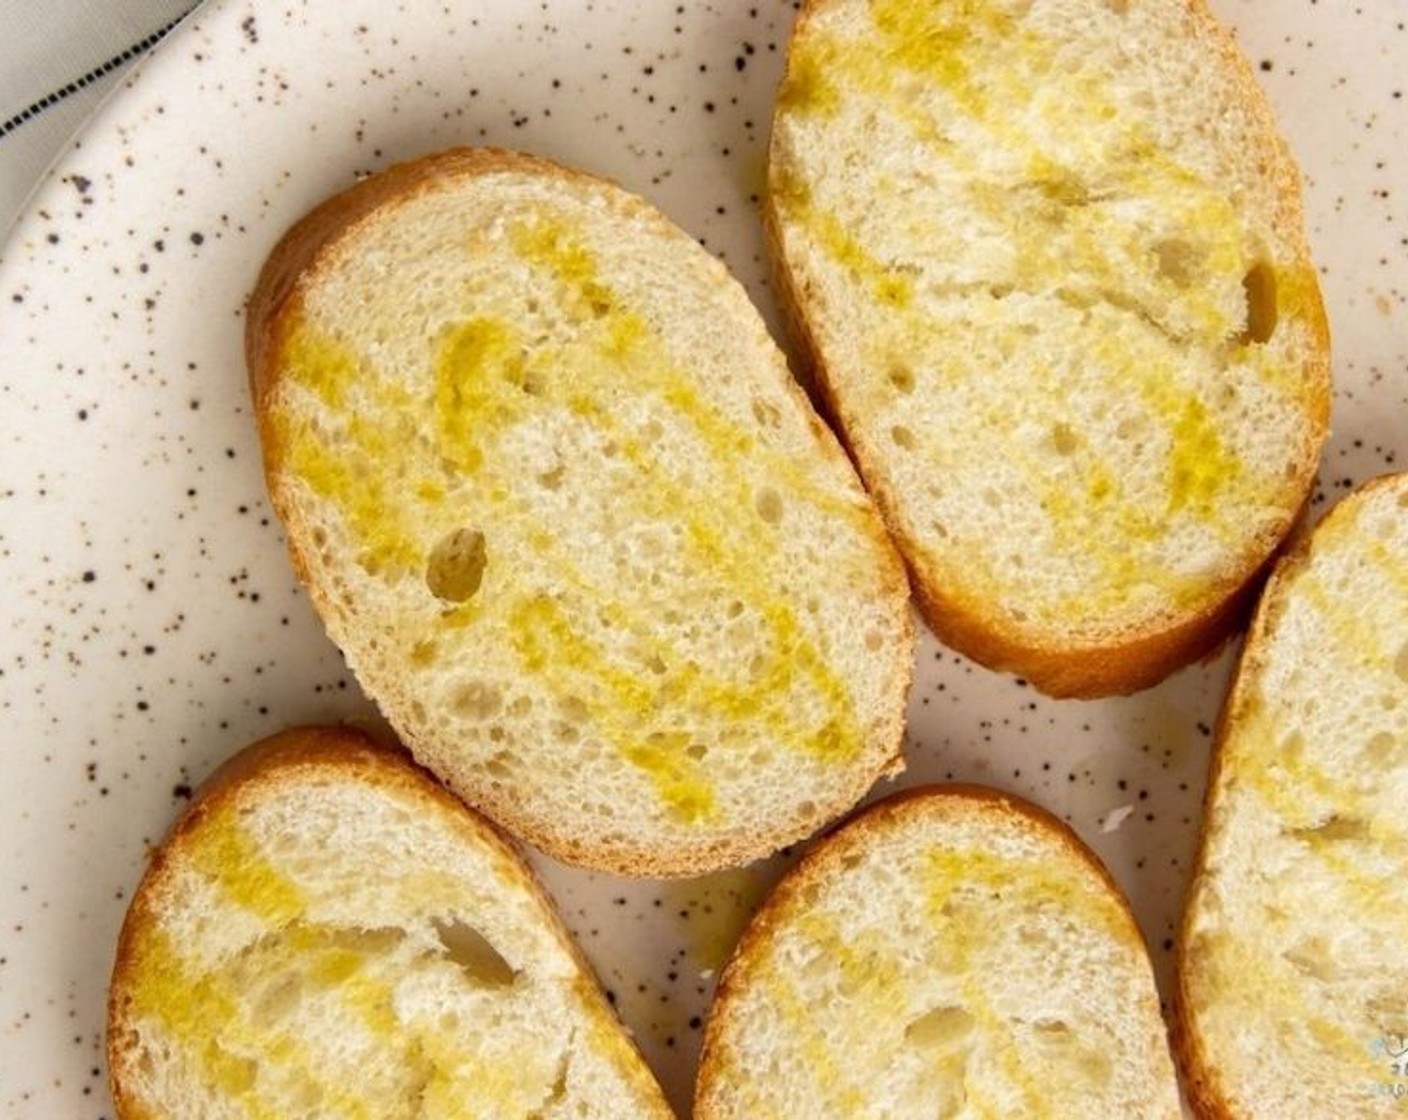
(295, 265)
(1135, 658)
(346, 754)
(1204, 1084)
(827, 857)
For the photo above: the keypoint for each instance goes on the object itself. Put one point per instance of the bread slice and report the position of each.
(327, 932)
(951, 952)
(576, 529)
(1293, 974)
(1047, 259)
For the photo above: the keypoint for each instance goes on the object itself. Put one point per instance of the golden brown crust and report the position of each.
(346, 754)
(1125, 662)
(828, 856)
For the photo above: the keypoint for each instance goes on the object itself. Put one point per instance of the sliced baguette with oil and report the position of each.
(1047, 259)
(327, 932)
(1293, 976)
(577, 531)
(950, 952)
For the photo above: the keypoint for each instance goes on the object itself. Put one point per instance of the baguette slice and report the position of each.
(951, 952)
(327, 932)
(575, 528)
(1047, 259)
(1293, 974)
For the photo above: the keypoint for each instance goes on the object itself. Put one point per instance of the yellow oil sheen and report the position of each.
(872, 983)
(1241, 975)
(229, 857)
(206, 1009)
(624, 339)
(889, 285)
(205, 1013)
(480, 373)
(808, 85)
(320, 364)
(936, 40)
(1201, 468)
(1269, 764)
(390, 480)
(1061, 227)
(1030, 884)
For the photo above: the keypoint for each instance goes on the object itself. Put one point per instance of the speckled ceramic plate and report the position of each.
(152, 622)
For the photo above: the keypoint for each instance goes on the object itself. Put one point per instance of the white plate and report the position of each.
(153, 625)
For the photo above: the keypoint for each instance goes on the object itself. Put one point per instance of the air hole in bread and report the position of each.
(861, 975)
(1311, 957)
(874, 640)
(1385, 752)
(477, 958)
(476, 700)
(1053, 1031)
(1400, 663)
(1334, 829)
(279, 1001)
(456, 566)
(769, 505)
(1178, 261)
(944, 1028)
(574, 709)
(1259, 285)
(766, 413)
(903, 437)
(696, 751)
(1119, 7)
(1064, 439)
(901, 377)
(534, 383)
(656, 664)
